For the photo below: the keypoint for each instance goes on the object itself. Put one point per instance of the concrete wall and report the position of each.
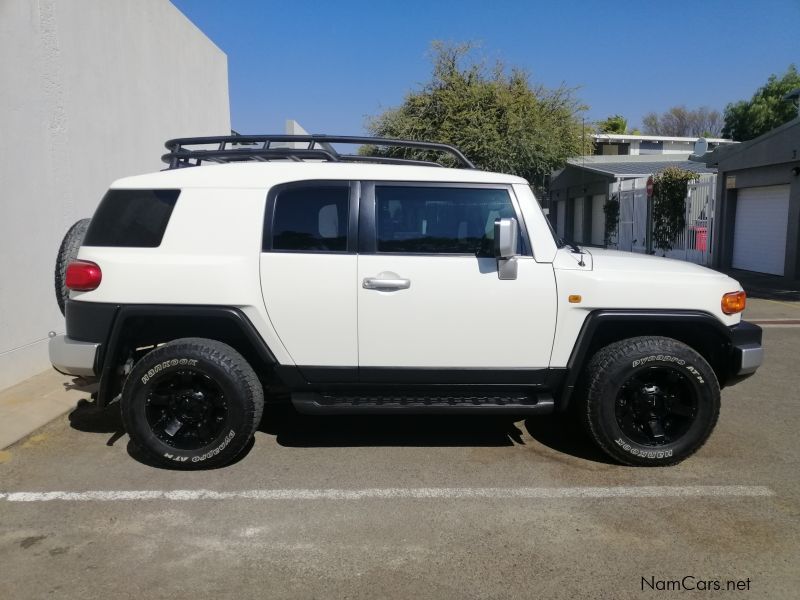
(89, 91)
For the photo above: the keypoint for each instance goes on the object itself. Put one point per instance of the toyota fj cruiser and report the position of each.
(367, 284)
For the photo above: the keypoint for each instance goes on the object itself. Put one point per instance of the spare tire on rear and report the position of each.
(67, 252)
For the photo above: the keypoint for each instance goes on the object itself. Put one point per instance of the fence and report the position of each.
(693, 244)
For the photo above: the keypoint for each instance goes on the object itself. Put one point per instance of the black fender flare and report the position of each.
(586, 340)
(108, 362)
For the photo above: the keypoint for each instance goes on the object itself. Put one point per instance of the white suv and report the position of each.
(379, 285)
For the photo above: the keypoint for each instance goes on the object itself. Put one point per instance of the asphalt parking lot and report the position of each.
(411, 507)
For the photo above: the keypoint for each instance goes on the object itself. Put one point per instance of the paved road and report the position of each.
(411, 507)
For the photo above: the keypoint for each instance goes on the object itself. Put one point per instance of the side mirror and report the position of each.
(506, 236)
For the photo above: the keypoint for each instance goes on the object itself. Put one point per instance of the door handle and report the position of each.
(376, 283)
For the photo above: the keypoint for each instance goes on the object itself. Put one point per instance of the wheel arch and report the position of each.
(699, 330)
(142, 326)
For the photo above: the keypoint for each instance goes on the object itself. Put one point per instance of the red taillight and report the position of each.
(83, 276)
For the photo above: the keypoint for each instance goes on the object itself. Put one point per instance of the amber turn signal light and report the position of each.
(733, 302)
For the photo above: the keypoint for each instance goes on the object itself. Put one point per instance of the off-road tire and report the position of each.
(67, 252)
(612, 366)
(212, 360)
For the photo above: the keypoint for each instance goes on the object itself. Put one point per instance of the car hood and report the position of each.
(616, 260)
(611, 279)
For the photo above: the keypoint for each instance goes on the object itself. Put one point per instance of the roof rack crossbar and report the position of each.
(388, 160)
(229, 155)
(318, 147)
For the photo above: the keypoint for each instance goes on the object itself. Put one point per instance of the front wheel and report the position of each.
(192, 403)
(650, 401)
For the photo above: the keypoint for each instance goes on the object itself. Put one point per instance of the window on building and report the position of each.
(311, 219)
(439, 220)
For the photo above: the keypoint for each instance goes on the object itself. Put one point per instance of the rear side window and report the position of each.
(131, 218)
(311, 219)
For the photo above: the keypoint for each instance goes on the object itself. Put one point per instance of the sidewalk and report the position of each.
(35, 402)
(759, 309)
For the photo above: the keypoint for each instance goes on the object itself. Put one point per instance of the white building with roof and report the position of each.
(638, 145)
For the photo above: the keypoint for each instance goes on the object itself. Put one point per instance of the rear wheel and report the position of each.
(67, 252)
(192, 403)
(650, 401)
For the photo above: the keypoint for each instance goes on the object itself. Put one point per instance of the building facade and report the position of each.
(90, 91)
(581, 190)
(758, 213)
(613, 144)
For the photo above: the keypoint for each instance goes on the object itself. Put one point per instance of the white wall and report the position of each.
(577, 220)
(677, 147)
(89, 91)
(561, 217)
(598, 219)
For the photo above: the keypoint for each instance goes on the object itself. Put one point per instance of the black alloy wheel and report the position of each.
(186, 409)
(656, 406)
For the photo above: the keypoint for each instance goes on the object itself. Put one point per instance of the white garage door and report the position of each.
(577, 221)
(598, 219)
(561, 216)
(759, 238)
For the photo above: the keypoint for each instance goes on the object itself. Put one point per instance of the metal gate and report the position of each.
(632, 220)
(694, 242)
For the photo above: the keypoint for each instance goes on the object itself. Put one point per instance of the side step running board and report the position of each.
(508, 403)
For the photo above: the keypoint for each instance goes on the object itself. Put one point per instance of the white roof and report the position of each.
(620, 137)
(267, 174)
(629, 167)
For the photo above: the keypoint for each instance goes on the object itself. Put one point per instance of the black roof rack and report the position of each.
(237, 148)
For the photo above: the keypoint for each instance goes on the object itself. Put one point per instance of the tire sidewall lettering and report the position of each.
(167, 364)
(206, 455)
(649, 453)
(669, 359)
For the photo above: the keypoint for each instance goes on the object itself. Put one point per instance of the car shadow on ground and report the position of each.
(293, 429)
(87, 417)
(564, 434)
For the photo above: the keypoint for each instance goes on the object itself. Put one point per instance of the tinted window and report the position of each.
(439, 219)
(311, 219)
(131, 218)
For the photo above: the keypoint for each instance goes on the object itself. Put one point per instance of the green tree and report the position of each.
(748, 119)
(670, 188)
(613, 124)
(495, 116)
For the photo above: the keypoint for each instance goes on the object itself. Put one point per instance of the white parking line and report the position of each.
(690, 491)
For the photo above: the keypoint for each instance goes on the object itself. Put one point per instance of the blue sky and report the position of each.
(331, 64)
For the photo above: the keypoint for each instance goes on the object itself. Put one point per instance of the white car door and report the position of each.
(308, 273)
(429, 296)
